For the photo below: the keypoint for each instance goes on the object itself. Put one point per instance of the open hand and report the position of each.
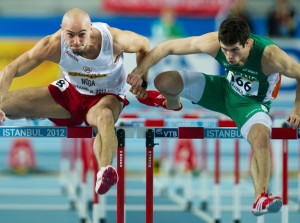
(294, 120)
(2, 116)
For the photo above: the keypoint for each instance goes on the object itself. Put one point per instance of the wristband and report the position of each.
(144, 84)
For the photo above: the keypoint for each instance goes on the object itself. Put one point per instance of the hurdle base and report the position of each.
(72, 205)
(78, 190)
(179, 191)
(203, 206)
(189, 205)
(64, 191)
(90, 205)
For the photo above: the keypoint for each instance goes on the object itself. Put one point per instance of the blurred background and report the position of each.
(34, 181)
(24, 22)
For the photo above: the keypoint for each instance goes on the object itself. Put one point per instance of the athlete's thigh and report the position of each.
(32, 103)
(214, 93)
(108, 101)
(247, 113)
(258, 130)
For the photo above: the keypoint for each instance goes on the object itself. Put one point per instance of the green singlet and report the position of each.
(245, 90)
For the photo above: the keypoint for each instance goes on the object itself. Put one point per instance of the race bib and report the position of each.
(62, 84)
(242, 85)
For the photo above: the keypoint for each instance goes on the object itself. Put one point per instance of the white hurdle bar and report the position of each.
(162, 132)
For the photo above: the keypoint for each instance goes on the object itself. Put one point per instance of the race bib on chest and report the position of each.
(242, 85)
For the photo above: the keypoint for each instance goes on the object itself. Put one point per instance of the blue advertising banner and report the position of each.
(19, 132)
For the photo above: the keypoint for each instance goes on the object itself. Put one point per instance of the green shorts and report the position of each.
(218, 96)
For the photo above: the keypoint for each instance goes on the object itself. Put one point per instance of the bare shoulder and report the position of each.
(115, 32)
(208, 43)
(268, 57)
(271, 59)
(213, 36)
(117, 35)
(47, 48)
(128, 41)
(213, 43)
(270, 53)
(121, 35)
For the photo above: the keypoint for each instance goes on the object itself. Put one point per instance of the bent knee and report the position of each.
(169, 82)
(104, 116)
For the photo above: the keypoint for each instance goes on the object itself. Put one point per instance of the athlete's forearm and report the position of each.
(297, 98)
(5, 82)
(141, 54)
(294, 117)
(152, 58)
(139, 58)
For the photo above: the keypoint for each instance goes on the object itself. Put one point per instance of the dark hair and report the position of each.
(234, 30)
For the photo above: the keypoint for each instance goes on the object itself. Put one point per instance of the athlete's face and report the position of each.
(234, 53)
(77, 37)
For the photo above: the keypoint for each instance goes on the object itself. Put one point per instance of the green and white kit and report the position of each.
(244, 94)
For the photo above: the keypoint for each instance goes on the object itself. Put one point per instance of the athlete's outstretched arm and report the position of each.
(43, 50)
(130, 42)
(207, 43)
(276, 60)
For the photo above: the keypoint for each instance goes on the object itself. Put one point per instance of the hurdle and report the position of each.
(201, 133)
(150, 134)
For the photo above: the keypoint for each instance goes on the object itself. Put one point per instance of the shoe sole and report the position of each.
(275, 206)
(259, 213)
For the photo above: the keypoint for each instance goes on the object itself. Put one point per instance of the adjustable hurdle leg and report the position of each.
(121, 171)
(284, 216)
(236, 191)
(298, 176)
(98, 211)
(75, 173)
(204, 178)
(217, 192)
(83, 196)
(149, 175)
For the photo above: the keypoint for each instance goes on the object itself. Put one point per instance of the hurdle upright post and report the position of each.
(285, 134)
(217, 192)
(121, 173)
(284, 216)
(149, 175)
(236, 191)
